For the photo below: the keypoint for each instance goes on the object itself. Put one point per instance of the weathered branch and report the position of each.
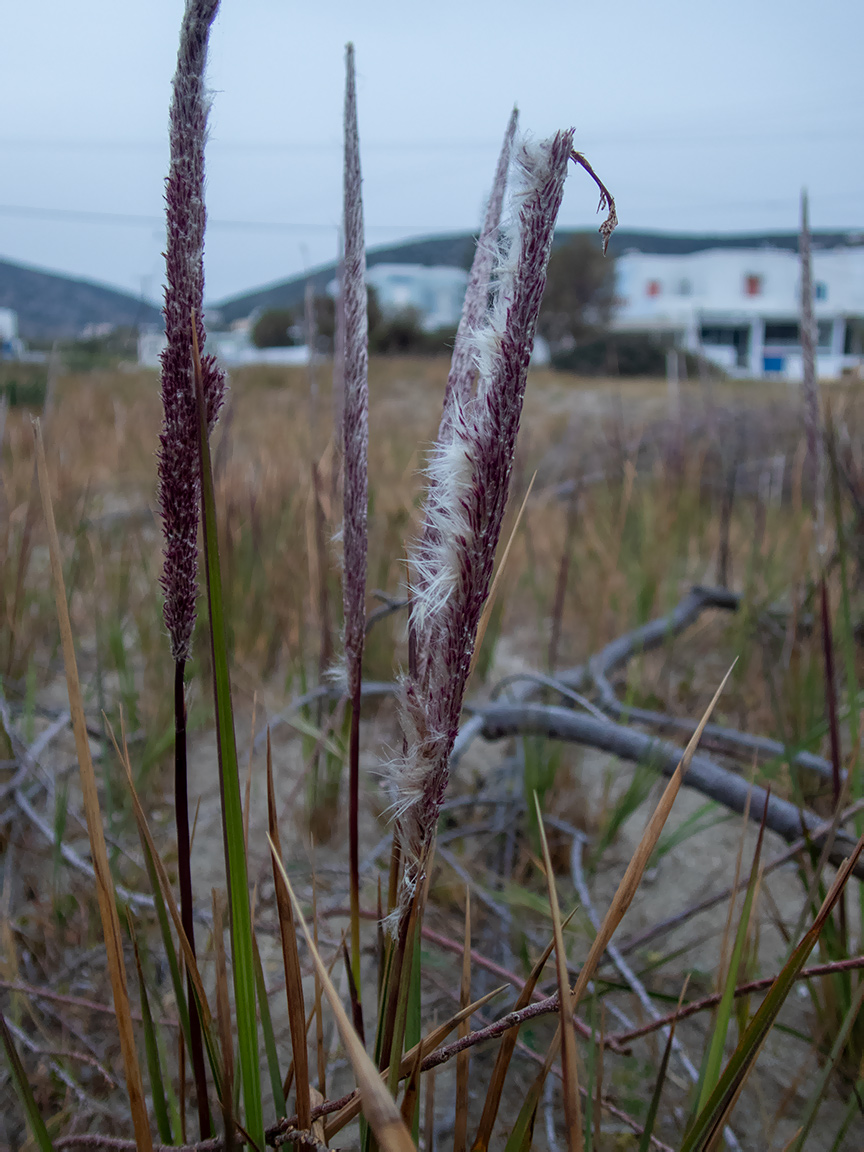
(852, 963)
(657, 632)
(649, 636)
(704, 774)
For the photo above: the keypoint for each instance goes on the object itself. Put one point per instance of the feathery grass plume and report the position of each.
(469, 481)
(178, 454)
(463, 370)
(355, 434)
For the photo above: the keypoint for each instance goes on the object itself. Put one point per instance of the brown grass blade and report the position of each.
(629, 883)
(290, 960)
(569, 1071)
(463, 1060)
(412, 1090)
(639, 861)
(319, 1005)
(104, 882)
(379, 1106)
(289, 1075)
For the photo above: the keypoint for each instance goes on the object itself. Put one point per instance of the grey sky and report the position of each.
(699, 116)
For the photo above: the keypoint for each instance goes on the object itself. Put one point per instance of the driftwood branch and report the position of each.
(705, 775)
(657, 632)
(598, 670)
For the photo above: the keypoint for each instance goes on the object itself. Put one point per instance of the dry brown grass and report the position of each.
(646, 528)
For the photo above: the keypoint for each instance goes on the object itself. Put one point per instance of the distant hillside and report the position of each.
(458, 251)
(53, 307)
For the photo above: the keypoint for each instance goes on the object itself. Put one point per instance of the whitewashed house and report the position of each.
(739, 308)
(11, 347)
(435, 292)
(232, 349)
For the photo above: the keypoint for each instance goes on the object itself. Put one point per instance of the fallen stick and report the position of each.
(705, 775)
(657, 632)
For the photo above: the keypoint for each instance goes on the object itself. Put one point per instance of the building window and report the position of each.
(752, 285)
(718, 336)
(820, 290)
(781, 333)
(652, 288)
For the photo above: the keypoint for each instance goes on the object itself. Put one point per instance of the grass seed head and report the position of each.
(179, 484)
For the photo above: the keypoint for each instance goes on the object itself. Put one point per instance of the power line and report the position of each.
(630, 136)
(78, 216)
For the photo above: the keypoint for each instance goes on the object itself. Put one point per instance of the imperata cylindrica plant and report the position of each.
(469, 479)
(178, 455)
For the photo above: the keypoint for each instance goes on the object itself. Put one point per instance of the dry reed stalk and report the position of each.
(451, 568)
(355, 434)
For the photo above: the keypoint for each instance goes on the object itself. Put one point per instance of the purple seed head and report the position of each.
(178, 487)
(355, 416)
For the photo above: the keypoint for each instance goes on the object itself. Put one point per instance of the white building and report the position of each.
(740, 307)
(232, 349)
(435, 292)
(11, 347)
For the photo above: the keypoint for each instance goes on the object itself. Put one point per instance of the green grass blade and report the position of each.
(25, 1092)
(269, 1036)
(711, 1117)
(726, 1006)
(414, 1022)
(522, 1132)
(151, 1050)
(827, 1071)
(232, 811)
(653, 1107)
(852, 1110)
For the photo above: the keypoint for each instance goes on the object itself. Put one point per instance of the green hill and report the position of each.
(54, 307)
(458, 250)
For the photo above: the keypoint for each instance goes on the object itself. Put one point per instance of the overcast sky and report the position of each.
(699, 116)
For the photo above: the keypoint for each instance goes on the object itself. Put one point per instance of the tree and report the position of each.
(273, 329)
(580, 292)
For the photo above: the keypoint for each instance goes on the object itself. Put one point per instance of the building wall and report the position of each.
(436, 293)
(740, 308)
